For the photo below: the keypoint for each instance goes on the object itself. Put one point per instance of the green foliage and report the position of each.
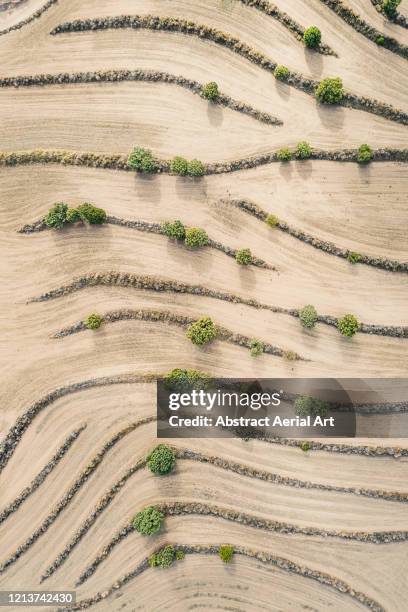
(161, 460)
(256, 347)
(180, 554)
(330, 91)
(290, 355)
(308, 316)
(284, 154)
(303, 150)
(244, 257)
(348, 325)
(353, 257)
(93, 321)
(196, 237)
(281, 73)
(202, 331)
(91, 214)
(379, 40)
(226, 553)
(174, 229)
(312, 37)
(196, 168)
(142, 160)
(306, 405)
(73, 215)
(56, 216)
(148, 521)
(179, 165)
(183, 380)
(163, 557)
(210, 90)
(305, 446)
(365, 154)
(272, 220)
(390, 7)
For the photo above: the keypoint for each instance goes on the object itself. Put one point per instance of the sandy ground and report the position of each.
(362, 209)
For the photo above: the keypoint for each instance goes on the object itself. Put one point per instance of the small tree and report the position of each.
(163, 557)
(179, 165)
(312, 37)
(196, 237)
(226, 553)
(365, 154)
(56, 216)
(310, 406)
(180, 554)
(73, 215)
(308, 316)
(303, 150)
(284, 155)
(348, 325)
(174, 230)
(161, 460)
(330, 91)
(148, 521)
(390, 7)
(142, 160)
(272, 220)
(93, 321)
(202, 331)
(182, 380)
(244, 257)
(305, 446)
(353, 257)
(196, 168)
(210, 91)
(380, 40)
(256, 347)
(91, 214)
(281, 73)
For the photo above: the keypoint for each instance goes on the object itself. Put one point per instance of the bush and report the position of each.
(161, 460)
(281, 73)
(284, 155)
(93, 321)
(272, 220)
(202, 331)
(163, 557)
(73, 215)
(348, 325)
(210, 90)
(312, 37)
(353, 257)
(179, 165)
(303, 150)
(308, 316)
(56, 216)
(148, 521)
(256, 347)
(244, 257)
(91, 214)
(142, 160)
(181, 380)
(330, 91)
(379, 40)
(305, 446)
(290, 355)
(196, 237)
(174, 230)
(390, 7)
(365, 154)
(196, 168)
(226, 553)
(305, 406)
(180, 554)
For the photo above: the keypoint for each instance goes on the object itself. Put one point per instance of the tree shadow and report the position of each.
(147, 186)
(282, 89)
(304, 168)
(314, 61)
(187, 186)
(331, 116)
(286, 170)
(215, 114)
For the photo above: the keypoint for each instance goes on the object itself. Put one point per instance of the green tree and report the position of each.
(348, 325)
(330, 91)
(174, 229)
(89, 213)
(184, 380)
(310, 406)
(161, 460)
(380, 40)
(93, 321)
(179, 165)
(365, 154)
(210, 91)
(142, 160)
(284, 155)
(312, 37)
(73, 215)
(163, 557)
(256, 347)
(272, 220)
(56, 216)
(202, 331)
(303, 150)
(390, 7)
(196, 237)
(281, 73)
(244, 257)
(308, 316)
(226, 552)
(196, 168)
(353, 257)
(148, 521)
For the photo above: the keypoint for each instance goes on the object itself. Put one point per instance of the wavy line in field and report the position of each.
(148, 76)
(267, 558)
(35, 15)
(382, 263)
(360, 25)
(153, 228)
(156, 23)
(41, 477)
(154, 283)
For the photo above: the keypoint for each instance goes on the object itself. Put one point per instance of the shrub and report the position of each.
(148, 521)
(281, 73)
(180, 554)
(290, 355)
(390, 7)
(284, 155)
(353, 257)
(91, 214)
(161, 460)
(303, 150)
(312, 37)
(330, 91)
(181, 380)
(306, 405)
(226, 553)
(308, 316)
(202, 331)
(272, 220)
(348, 325)
(142, 160)
(256, 347)
(379, 40)
(163, 557)
(73, 215)
(174, 230)
(179, 165)
(196, 168)
(210, 90)
(93, 321)
(196, 237)
(244, 257)
(305, 446)
(56, 216)
(365, 154)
